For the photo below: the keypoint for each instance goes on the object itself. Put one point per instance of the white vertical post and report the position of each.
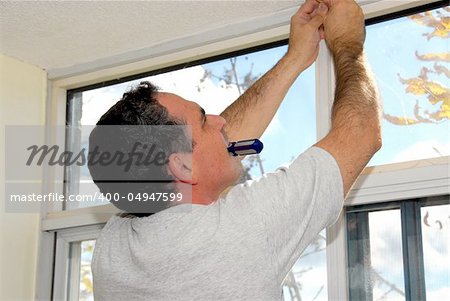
(337, 260)
(336, 238)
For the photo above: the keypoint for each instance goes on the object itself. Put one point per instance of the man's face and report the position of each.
(213, 167)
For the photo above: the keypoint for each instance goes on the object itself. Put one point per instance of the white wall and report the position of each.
(23, 91)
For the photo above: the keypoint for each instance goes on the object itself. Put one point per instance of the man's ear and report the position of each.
(180, 166)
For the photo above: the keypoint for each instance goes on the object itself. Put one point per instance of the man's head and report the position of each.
(204, 165)
(213, 168)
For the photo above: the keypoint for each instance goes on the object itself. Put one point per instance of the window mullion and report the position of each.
(336, 236)
(412, 251)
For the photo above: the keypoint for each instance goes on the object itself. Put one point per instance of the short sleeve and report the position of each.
(289, 207)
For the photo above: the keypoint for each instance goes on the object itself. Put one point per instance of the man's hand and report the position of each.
(249, 116)
(344, 26)
(306, 32)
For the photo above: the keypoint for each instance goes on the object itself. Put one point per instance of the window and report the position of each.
(409, 57)
(377, 231)
(399, 251)
(214, 86)
(388, 244)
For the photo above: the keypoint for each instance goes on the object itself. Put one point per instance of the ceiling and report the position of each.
(61, 34)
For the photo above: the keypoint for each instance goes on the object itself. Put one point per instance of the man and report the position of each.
(241, 246)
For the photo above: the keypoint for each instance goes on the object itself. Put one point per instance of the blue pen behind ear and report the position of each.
(245, 147)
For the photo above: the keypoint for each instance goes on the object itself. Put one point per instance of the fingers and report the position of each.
(309, 10)
(321, 12)
(308, 7)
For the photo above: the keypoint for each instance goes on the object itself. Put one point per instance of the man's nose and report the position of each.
(218, 121)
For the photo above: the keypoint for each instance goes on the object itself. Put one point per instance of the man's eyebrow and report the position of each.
(203, 113)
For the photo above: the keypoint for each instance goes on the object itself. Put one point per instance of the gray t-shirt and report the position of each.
(238, 248)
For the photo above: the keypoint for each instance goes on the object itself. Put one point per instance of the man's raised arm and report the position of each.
(355, 135)
(251, 113)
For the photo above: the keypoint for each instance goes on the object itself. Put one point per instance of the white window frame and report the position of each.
(377, 184)
(64, 238)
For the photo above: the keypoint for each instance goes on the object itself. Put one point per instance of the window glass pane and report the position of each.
(308, 278)
(86, 289)
(410, 59)
(79, 278)
(214, 86)
(375, 256)
(436, 246)
(386, 255)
